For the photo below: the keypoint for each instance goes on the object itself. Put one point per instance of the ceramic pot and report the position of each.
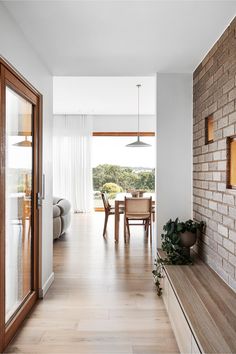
(188, 239)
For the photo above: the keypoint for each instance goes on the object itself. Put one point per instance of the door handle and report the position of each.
(41, 196)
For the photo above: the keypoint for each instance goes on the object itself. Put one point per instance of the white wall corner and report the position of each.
(174, 148)
(46, 286)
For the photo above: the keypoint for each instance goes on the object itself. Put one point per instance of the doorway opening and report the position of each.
(94, 119)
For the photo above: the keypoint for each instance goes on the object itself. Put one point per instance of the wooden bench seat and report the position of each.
(199, 301)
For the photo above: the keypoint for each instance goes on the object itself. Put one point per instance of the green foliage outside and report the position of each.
(112, 189)
(124, 177)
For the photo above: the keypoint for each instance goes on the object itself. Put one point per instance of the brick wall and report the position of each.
(214, 92)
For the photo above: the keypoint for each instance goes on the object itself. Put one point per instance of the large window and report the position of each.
(117, 168)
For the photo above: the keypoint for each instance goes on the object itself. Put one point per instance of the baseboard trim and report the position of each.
(46, 286)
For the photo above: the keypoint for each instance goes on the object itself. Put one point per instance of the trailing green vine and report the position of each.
(171, 245)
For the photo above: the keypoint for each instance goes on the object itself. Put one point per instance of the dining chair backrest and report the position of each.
(138, 205)
(105, 200)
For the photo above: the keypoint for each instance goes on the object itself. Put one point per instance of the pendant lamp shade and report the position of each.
(24, 143)
(138, 142)
(24, 128)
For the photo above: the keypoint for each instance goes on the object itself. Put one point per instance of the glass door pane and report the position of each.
(18, 188)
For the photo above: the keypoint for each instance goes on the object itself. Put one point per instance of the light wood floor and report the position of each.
(102, 300)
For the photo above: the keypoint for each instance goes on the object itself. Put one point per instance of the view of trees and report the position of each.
(111, 189)
(123, 177)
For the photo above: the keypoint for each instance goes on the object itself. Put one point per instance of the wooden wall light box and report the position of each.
(231, 162)
(209, 130)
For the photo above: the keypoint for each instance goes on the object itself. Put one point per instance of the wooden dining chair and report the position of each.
(153, 213)
(138, 209)
(109, 210)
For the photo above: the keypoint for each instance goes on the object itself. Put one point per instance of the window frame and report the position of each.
(123, 134)
(120, 134)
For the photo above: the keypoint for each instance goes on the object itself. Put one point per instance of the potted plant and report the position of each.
(177, 239)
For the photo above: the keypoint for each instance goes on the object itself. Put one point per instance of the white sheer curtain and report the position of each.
(72, 169)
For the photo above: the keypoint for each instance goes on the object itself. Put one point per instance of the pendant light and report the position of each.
(138, 142)
(24, 124)
(24, 143)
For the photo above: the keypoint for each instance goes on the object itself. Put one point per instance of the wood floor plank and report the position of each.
(102, 301)
(75, 348)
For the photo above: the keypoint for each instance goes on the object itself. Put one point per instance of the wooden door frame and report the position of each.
(123, 134)
(10, 76)
(127, 134)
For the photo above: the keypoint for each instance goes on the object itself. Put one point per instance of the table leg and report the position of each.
(117, 220)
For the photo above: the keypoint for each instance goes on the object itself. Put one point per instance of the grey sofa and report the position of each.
(61, 216)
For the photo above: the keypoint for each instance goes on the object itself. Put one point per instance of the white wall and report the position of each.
(121, 123)
(174, 148)
(103, 95)
(15, 48)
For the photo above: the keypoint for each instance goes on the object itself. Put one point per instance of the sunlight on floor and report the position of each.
(103, 298)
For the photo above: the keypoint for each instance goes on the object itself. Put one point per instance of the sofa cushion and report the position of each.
(57, 225)
(61, 216)
(65, 206)
(56, 211)
(56, 200)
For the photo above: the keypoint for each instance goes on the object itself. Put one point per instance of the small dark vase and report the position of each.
(187, 240)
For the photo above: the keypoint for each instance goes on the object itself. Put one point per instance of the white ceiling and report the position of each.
(103, 95)
(121, 38)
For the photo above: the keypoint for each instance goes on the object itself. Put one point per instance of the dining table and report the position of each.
(120, 201)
